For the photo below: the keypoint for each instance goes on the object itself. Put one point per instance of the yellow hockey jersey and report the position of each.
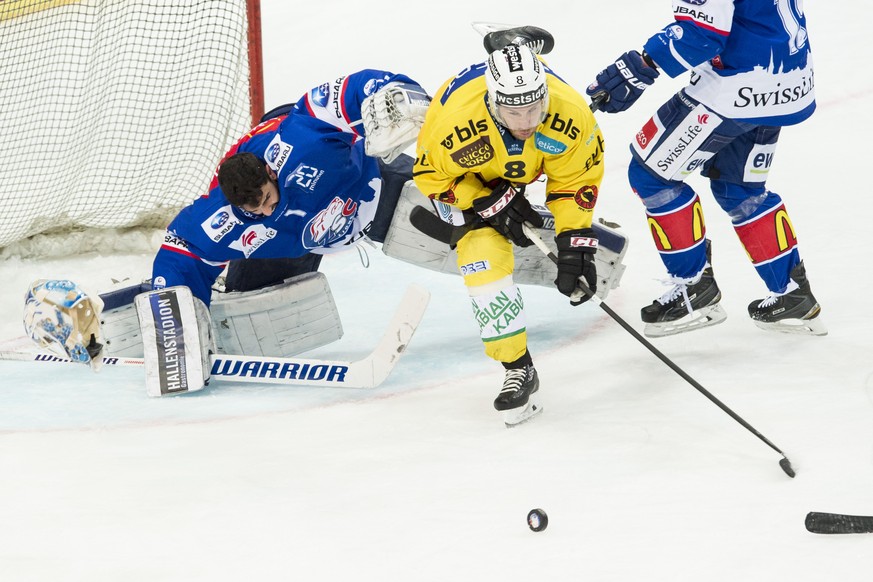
(462, 152)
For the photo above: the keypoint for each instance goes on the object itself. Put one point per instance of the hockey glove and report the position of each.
(506, 209)
(392, 117)
(576, 250)
(623, 82)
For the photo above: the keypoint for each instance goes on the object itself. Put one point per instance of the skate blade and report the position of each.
(814, 326)
(522, 414)
(704, 317)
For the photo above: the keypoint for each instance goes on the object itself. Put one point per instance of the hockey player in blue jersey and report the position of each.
(312, 178)
(751, 73)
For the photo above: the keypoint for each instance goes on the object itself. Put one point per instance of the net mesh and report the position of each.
(114, 113)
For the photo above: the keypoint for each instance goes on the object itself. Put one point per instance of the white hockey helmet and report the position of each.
(518, 94)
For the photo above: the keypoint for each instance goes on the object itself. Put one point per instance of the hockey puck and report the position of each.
(537, 519)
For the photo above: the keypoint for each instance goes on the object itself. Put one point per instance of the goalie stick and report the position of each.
(368, 372)
(838, 523)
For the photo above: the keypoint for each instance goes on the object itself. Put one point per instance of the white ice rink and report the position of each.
(418, 480)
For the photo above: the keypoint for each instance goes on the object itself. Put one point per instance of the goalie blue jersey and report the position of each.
(328, 190)
(750, 59)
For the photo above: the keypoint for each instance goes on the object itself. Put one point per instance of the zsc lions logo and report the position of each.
(695, 2)
(331, 224)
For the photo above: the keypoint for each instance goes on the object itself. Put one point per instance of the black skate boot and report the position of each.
(539, 40)
(795, 311)
(517, 399)
(689, 304)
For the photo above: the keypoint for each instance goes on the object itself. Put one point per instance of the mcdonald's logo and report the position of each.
(768, 236)
(671, 231)
(661, 240)
(785, 235)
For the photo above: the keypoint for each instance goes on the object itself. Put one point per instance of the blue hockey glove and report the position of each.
(623, 82)
(506, 209)
(576, 250)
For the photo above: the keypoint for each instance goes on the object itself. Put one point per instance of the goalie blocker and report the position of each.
(177, 340)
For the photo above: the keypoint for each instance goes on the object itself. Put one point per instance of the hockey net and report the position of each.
(114, 114)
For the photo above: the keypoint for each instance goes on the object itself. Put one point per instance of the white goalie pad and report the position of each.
(177, 341)
(392, 117)
(278, 321)
(532, 267)
(60, 317)
(283, 320)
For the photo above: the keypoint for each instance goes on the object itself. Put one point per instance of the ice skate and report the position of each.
(795, 311)
(496, 36)
(690, 304)
(518, 400)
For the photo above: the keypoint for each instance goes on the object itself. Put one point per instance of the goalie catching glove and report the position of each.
(576, 249)
(63, 319)
(392, 117)
(506, 210)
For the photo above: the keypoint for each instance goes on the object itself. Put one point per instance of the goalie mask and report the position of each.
(518, 95)
(63, 319)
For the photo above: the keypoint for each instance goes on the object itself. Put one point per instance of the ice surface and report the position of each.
(642, 477)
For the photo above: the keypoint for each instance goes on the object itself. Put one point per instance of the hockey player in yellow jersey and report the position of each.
(489, 131)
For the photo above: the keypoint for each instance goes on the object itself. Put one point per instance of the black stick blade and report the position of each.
(838, 523)
(786, 466)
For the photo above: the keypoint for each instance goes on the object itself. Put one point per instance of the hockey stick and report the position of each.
(367, 372)
(784, 463)
(838, 523)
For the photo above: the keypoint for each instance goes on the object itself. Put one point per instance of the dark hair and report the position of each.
(241, 177)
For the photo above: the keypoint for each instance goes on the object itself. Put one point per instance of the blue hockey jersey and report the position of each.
(750, 59)
(328, 190)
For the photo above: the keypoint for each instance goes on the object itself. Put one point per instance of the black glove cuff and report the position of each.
(498, 201)
(580, 240)
(648, 60)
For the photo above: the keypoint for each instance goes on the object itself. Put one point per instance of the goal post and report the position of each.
(114, 113)
(256, 61)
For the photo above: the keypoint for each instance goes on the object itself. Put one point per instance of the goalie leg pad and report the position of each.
(406, 243)
(177, 340)
(279, 321)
